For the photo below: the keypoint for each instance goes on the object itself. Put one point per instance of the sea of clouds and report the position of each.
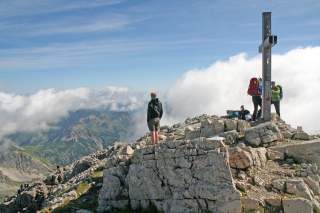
(210, 90)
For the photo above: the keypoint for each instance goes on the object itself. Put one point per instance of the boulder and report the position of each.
(313, 185)
(211, 127)
(242, 126)
(240, 159)
(231, 137)
(278, 185)
(304, 151)
(297, 205)
(274, 155)
(185, 176)
(298, 188)
(83, 165)
(258, 155)
(191, 133)
(230, 125)
(250, 205)
(83, 211)
(301, 135)
(129, 150)
(262, 134)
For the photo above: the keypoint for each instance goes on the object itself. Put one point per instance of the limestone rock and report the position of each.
(191, 133)
(275, 155)
(278, 185)
(301, 135)
(262, 134)
(299, 188)
(230, 125)
(297, 205)
(304, 151)
(83, 211)
(242, 126)
(258, 155)
(211, 127)
(83, 165)
(172, 176)
(240, 159)
(313, 185)
(129, 150)
(231, 137)
(250, 204)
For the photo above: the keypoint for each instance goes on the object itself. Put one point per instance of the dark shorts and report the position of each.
(154, 124)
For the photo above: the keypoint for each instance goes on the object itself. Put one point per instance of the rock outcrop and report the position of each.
(263, 134)
(206, 163)
(180, 176)
(305, 151)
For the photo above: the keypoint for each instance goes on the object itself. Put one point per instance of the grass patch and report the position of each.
(82, 188)
(33, 152)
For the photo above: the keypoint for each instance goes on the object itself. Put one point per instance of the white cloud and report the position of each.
(223, 86)
(44, 108)
(210, 90)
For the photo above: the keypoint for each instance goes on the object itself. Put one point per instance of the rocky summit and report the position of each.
(204, 164)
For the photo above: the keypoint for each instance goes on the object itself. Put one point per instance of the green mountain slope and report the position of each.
(77, 135)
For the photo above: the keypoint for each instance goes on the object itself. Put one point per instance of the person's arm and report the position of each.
(161, 110)
(148, 113)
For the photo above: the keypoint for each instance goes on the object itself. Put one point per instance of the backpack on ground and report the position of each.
(253, 88)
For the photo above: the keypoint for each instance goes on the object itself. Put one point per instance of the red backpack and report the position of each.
(253, 88)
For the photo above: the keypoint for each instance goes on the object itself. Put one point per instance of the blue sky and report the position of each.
(141, 44)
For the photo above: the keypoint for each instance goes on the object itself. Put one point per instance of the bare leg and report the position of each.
(156, 136)
(152, 137)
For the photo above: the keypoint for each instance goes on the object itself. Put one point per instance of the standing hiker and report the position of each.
(276, 96)
(255, 90)
(153, 117)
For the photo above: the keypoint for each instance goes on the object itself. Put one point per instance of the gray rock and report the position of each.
(305, 151)
(83, 211)
(191, 133)
(300, 135)
(313, 185)
(240, 159)
(230, 125)
(242, 126)
(263, 134)
(297, 205)
(186, 177)
(231, 137)
(211, 127)
(278, 185)
(250, 204)
(275, 155)
(299, 188)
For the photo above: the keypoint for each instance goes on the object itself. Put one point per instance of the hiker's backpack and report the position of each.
(281, 93)
(155, 109)
(253, 88)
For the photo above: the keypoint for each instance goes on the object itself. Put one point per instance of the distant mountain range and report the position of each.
(32, 155)
(77, 135)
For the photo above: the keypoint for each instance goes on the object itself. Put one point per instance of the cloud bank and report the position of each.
(43, 109)
(223, 86)
(210, 90)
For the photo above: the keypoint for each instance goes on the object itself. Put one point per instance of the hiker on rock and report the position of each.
(244, 114)
(154, 116)
(255, 90)
(276, 96)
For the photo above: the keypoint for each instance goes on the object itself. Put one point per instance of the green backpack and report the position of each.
(281, 93)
